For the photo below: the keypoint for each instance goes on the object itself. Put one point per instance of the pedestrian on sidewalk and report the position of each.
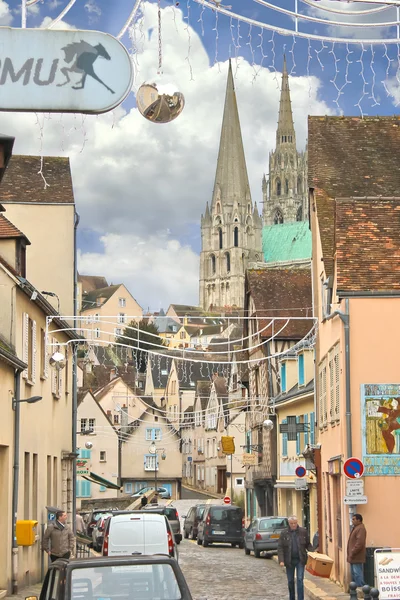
(80, 523)
(292, 554)
(356, 549)
(59, 540)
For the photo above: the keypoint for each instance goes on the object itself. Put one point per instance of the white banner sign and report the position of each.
(387, 567)
(62, 71)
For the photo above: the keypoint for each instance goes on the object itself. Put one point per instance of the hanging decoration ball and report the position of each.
(159, 102)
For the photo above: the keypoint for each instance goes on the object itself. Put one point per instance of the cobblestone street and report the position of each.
(220, 572)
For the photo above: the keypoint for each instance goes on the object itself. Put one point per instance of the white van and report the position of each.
(132, 533)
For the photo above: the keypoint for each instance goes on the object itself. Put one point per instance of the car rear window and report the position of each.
(125, 581)
(223, 514)
(271, 524)
(171, 513)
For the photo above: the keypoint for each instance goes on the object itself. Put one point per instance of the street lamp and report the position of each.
(154, 450)
(30, 400)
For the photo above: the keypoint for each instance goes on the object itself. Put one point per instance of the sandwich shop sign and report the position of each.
(76, 71)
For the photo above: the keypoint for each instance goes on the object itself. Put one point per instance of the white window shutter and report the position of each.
(25, 342)
(46, 357)
(34, 352)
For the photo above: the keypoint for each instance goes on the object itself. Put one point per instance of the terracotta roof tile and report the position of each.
(22, 183)
(282, 293)
(350, 156)
(367, 244)
(8, 230)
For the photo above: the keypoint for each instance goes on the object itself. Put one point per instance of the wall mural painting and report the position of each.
(381, 420)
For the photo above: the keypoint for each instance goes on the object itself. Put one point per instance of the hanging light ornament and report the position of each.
(159, 102)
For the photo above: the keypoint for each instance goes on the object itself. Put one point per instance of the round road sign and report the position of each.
(300, 471)
(353, 468)
(227, 500)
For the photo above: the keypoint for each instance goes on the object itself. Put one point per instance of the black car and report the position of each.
(221, 524)
(144, 577)
(192, 519)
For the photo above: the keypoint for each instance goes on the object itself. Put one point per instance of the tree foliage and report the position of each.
(141, 337)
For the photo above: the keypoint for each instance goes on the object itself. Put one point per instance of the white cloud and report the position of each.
(136, 178)
(157, 270)
(60, 25)
(5, 14)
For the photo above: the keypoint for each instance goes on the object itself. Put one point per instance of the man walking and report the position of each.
(292, 553)
(58, 540)
(356, 549)
(80, 524)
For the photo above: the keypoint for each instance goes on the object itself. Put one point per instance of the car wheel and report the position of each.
(246, 550)
(233, 545)
(199, 541)
(178, 542)
(205, 543)
(185, 534)
(241, 545)
(257, 553)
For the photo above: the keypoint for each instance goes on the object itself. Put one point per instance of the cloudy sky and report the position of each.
(140, 188)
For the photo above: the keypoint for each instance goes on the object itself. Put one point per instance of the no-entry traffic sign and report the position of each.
(353, 468)
(300, 471)
(227, 500)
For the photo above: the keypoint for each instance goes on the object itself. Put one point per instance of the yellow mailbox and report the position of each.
(26, 532)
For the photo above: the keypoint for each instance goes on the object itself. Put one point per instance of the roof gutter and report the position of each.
(345, 318)
(369, 294)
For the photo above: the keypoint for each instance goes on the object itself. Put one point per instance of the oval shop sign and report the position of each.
(45, 70)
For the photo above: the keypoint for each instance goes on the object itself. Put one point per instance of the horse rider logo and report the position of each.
(82, 56)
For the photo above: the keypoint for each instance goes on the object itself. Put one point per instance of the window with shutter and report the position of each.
(298, 438)
(331, 387)
(324, 395)
(284, 441)
(34, 352)
(336, 384)
(322, 404)
(25, 342)
(307, 431)
(301, 369)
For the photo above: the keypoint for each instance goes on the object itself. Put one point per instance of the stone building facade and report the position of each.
(285, 198)
(231, 227)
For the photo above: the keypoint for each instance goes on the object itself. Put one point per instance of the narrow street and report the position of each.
(220, 572)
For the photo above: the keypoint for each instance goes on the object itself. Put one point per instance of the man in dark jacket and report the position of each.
(59, 540)
(292, 554)
(356, 549)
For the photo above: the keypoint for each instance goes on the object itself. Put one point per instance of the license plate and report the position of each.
(218, 532)
(274, 536)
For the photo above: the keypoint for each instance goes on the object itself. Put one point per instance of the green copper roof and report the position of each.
(287, 241)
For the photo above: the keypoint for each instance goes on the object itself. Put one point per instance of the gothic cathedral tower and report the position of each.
(231, 228)
(285, 199)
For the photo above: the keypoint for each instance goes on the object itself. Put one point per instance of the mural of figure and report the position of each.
(391, 424)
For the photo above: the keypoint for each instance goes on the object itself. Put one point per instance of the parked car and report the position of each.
(144, 577)
(98, 531)
(222, 524)
(263, 533)
(94, 517)
(190, 526)
(162, 492)
(138, 532)
(172, 515)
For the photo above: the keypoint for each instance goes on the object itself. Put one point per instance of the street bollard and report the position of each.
(374, 593)
(366, 591)
(353, 591)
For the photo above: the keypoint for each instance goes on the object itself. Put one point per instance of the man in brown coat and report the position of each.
(58, 540)
(356, 549)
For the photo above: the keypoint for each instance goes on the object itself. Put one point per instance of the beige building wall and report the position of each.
(104, 452)
(292, 501)
(135, 449)
(118, 395)
(45, 474)
(50, 258)
(106, 321)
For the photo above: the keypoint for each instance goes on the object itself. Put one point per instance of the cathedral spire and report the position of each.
(231, 180)
(285, 133)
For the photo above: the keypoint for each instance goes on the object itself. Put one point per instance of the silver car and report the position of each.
(263, 535)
